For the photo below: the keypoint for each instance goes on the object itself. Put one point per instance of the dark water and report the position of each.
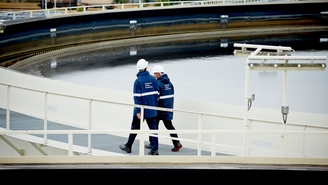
(202, 70)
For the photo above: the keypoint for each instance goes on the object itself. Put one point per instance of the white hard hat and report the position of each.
(158, 69)
(142, 64)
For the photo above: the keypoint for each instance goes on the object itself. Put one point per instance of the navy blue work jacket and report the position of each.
(166, 97)
(145, 92)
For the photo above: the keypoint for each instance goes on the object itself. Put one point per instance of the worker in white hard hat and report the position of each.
(145, 92)
(166, 100)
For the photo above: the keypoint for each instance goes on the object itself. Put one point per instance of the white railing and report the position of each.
(97, 110)
(116, 7)
(146, 133)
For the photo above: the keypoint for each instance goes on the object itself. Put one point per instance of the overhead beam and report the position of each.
(289, 67)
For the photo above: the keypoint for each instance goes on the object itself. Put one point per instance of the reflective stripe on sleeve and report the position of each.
(145, 94)
(167, 96)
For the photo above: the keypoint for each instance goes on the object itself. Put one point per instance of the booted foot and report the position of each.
(148, 146)
(176, 148)
(123, 147)
(153, 152)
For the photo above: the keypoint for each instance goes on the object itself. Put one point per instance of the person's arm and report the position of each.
(137, 96)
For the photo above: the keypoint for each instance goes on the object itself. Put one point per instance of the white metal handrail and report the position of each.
(70, 134)
(143, 132)
(158, 108)
(117, 7)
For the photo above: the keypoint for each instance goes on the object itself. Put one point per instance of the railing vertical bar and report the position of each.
(213, 148)
(141, 141)
(8, 109)
(90, 126)
(70, 144)
(45, 120)
(199, 149)
(303, 142)
(244, 152)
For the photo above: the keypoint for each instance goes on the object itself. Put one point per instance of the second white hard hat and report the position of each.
(142, 64)
(158, 69)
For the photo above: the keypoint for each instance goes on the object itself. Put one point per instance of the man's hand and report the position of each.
(139, 115)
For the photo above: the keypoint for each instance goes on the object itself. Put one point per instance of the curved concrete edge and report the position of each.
(163, 38)
(171, 162)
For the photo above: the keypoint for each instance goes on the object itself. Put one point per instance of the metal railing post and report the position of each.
(70, 144)
(213, 148)
(142, 135)
(199, 148)
(246, 107)
(8, 109)
(285, 137)
(90, 126)
(45, 119)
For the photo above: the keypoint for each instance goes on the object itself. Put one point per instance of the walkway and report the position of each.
(100, 141)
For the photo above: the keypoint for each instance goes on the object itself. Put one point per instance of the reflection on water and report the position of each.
(202, 71)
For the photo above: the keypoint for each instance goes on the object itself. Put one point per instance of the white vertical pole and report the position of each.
(285, 137)
(303, 142)
(90, 126)
(70, 144)
(142, 135)
(199, 148)
(45, 122)
(213, 150)
(246, 108)
(285, 89)
(8, 109)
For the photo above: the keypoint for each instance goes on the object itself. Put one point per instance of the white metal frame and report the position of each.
(278, 55)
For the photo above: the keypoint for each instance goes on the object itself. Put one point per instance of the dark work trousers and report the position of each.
(151, 122)
(169, 126)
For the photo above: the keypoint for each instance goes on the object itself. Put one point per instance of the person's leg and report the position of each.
(152, 125)
(134, 126)
(169, 126)
(148, 146)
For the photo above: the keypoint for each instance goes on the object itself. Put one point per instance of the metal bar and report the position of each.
(256, 132)
(289, 67)
(142, 139)
(246, 106)
(8, 109)
(90, 126)
(284, 137)
(19, 151)
(268, 47)
(70, 144)
(284, 88)
(199, 148)
(213, 147)
(45, 120)
(287, 57)
(303, 143)
(39, 149)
